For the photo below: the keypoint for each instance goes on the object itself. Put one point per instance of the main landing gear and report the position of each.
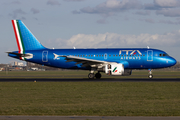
(98, 75)
(91, 75)
(150, 74)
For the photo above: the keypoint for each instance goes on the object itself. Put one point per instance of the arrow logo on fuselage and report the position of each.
(56, 57)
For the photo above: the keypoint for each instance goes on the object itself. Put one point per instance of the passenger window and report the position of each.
(109, 55)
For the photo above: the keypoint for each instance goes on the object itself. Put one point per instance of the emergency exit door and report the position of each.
(45, 56)
(149, 55)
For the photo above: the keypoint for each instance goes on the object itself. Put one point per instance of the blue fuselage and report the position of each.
(131, 58)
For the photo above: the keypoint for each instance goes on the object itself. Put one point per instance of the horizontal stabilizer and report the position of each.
(19, 54)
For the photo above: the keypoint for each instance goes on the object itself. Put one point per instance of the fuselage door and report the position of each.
(45, 56)
(105, 56)
(149, 55)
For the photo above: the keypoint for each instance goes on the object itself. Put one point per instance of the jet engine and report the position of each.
(114, 69)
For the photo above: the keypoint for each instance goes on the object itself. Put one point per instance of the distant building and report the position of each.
(34, 68)
(20, 64)
(29, 64)
(15, 63)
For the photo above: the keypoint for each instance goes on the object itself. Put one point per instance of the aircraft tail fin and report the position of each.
(24, 38)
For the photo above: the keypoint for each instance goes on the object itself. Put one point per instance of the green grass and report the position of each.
(84, 74)
(90, 98)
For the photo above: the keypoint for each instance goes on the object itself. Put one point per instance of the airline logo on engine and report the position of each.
(115, 69)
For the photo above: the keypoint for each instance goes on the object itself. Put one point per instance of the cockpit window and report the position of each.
(163, 55)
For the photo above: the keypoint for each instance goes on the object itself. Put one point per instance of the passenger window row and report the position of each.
(105, 55)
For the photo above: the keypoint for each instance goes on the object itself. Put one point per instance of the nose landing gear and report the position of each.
(150, 74)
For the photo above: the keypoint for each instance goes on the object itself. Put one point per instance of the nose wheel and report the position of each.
(150, 74)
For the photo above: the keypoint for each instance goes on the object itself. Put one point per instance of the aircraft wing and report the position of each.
(85, 62)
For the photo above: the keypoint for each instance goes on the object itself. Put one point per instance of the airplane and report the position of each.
(112, 61)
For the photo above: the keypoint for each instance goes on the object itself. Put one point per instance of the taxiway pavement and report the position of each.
(89, 80)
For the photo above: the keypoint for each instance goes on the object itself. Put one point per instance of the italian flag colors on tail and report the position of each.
(18, 36)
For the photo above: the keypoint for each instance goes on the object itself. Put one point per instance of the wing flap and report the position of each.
(84, 61)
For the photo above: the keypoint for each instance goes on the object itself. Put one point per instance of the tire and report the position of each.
(98, 75)
(91, 75)
(150, 76)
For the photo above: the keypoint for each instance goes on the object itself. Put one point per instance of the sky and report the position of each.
(93, 24)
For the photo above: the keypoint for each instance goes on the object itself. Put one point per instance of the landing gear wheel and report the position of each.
(98, 75)
(150, 76)
(91, 76)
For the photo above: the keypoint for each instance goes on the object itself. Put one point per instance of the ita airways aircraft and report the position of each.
(112, 61)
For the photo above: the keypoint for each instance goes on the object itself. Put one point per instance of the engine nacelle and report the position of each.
(114, 69)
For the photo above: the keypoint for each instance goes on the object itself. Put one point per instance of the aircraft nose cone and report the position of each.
(172, 61)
